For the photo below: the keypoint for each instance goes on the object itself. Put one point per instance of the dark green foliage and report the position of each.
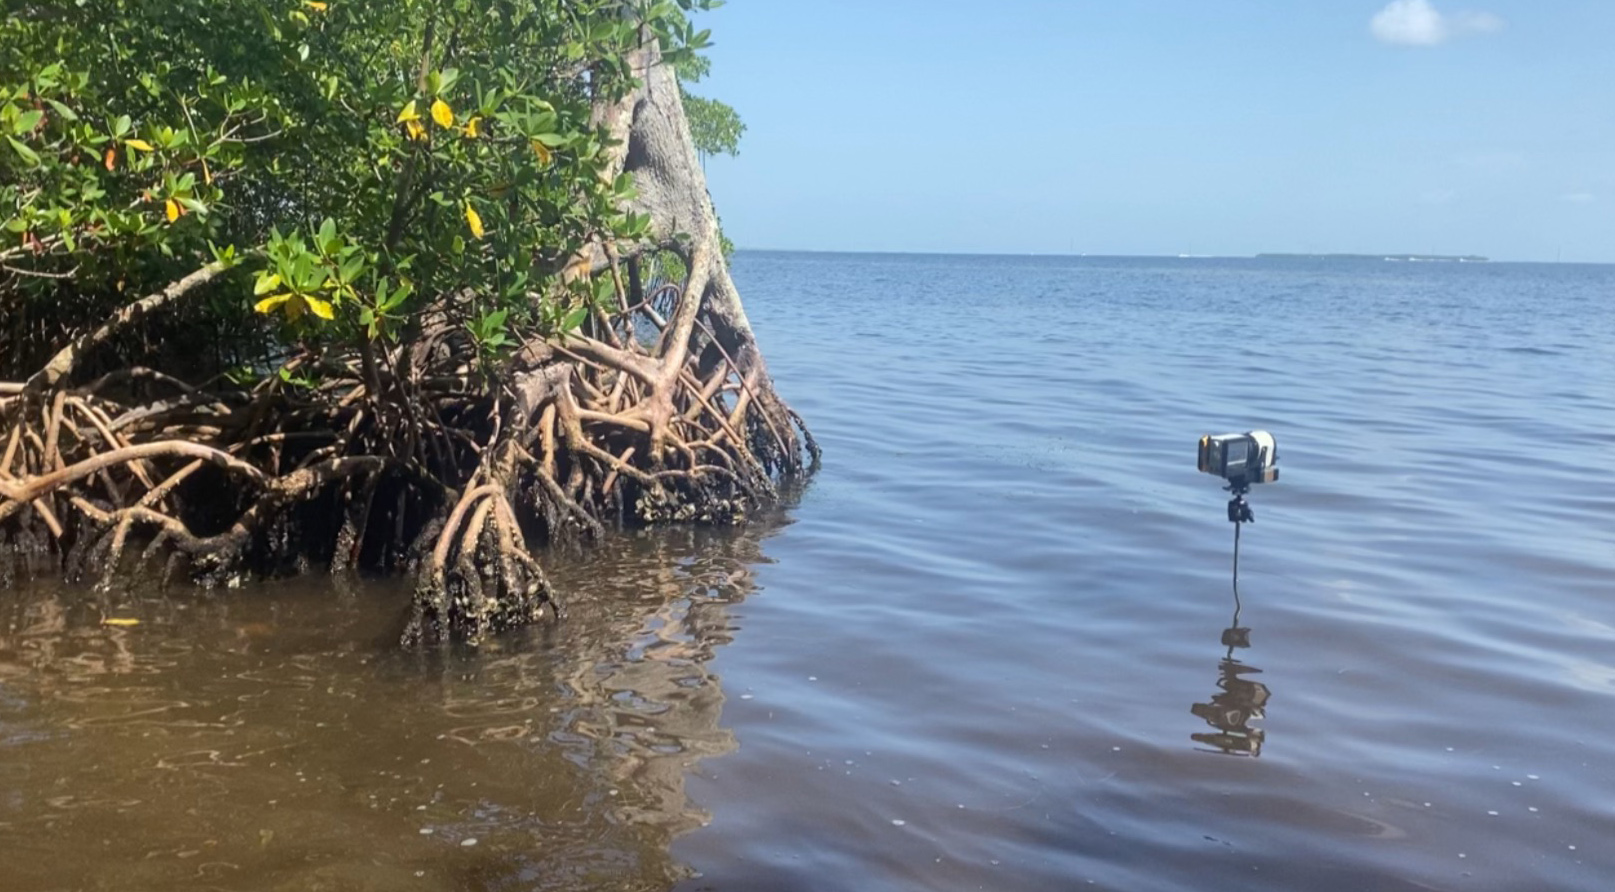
(360, 161)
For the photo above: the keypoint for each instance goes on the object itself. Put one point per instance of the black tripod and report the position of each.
(1239, 511)
(1239, 699)
(1239, 514)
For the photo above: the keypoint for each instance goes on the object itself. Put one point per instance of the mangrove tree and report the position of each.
(411, 286)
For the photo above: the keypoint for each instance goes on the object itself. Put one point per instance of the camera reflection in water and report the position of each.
(1239, 701)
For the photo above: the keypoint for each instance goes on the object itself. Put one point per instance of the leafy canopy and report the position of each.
(356, 160)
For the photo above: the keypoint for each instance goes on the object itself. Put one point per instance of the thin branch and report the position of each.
(63, 363)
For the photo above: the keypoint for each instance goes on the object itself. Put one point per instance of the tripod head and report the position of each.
(1239, 511)
(1237, 508)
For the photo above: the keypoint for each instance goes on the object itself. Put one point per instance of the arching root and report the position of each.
(658, 408)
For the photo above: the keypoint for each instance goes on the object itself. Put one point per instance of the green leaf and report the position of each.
(28, 155)
(351, 268)
(27, 121)
(326, 235)
(398, 297)
(294, 380)
(574, 319)
(266, 284)
(62, 110)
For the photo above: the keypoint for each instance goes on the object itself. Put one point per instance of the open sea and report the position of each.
(993, 645)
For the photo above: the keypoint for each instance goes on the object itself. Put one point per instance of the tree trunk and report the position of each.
(659, 409)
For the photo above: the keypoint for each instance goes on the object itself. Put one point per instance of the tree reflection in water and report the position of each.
(272, 738)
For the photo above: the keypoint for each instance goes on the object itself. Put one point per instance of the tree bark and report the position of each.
(452, 472)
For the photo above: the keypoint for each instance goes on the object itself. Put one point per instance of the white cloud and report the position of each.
(1419, 23)
(1579, 197)
(1409, 22)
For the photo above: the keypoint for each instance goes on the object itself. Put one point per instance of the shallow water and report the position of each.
(984, 650)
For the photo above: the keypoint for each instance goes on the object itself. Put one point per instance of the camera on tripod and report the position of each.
(1241, 459)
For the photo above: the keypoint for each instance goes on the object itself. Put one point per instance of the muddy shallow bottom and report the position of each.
(276, 738)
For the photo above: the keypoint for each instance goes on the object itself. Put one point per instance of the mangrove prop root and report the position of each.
(660, 408)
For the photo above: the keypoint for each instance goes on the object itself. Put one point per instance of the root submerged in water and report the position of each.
(420, 456)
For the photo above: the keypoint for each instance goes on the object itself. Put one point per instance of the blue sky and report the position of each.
(1166, 126)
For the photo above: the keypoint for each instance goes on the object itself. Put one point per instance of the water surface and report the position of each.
(984, 650)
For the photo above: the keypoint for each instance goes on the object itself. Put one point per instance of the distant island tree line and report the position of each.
(1431, 258)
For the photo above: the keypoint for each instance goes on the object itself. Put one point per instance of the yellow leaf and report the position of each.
(545, 156)
(416, 131)
(266, 283)
(473, 220)
(119, 621)
(173, 210)
(320, 308)
(408, 114)
(473, 127)
(315, 5)
(140, 144)
(295, 307)
(269, 304)
(442, 114)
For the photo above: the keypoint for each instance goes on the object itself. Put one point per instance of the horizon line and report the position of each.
(1291, 254)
